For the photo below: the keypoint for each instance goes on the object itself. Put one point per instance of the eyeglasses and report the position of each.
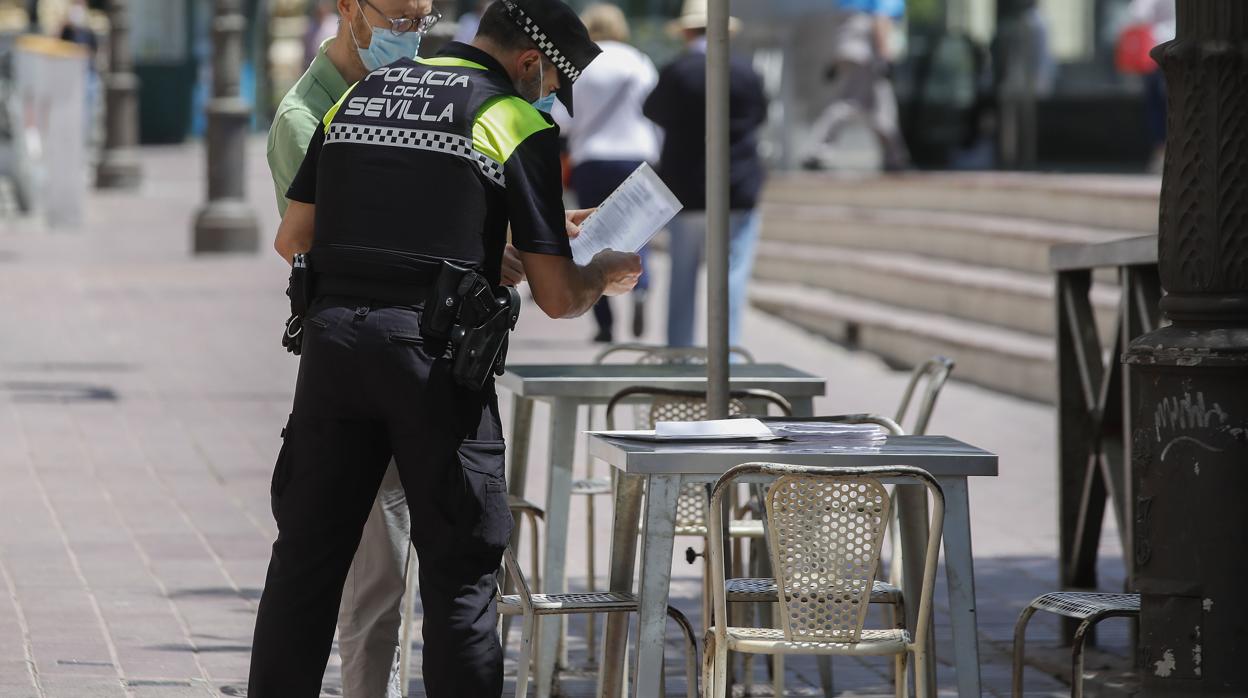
(403, 25)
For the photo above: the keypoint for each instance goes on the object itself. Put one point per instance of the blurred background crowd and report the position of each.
(979, 83)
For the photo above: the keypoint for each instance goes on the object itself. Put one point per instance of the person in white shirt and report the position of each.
(609, 138)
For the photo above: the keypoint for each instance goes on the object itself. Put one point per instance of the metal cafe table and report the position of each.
(566, 387)
(659, 469)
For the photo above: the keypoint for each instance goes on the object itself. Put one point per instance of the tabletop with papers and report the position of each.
(756, 430)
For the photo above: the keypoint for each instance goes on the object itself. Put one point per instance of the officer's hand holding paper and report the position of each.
(626, 221)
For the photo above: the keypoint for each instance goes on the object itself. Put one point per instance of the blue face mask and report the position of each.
(386, 48)
(547, 103)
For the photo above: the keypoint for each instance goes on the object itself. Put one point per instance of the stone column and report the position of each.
(119, 163)
(1190, 405)
(227, 223)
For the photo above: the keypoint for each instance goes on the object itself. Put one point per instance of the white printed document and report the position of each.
(717, 430)
(626, 221)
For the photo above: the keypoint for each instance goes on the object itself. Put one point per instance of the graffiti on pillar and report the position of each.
(1188, 419)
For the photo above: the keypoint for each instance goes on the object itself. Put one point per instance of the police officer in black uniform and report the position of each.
(402, 207)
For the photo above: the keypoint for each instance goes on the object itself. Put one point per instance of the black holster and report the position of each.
(475, 318)
(299, 290)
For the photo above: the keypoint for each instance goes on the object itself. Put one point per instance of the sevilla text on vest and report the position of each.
(377, 107)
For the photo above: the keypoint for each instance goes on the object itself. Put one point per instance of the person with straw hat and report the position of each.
(678, 106)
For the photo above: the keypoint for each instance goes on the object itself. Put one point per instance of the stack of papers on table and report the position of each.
(849, 434)
(713, 430)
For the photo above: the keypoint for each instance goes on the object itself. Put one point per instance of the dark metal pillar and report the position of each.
(227, 223)
(119, 163)
(1190, 405)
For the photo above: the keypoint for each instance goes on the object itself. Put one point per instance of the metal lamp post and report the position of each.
(227, 223)
(119, 164)
(1190, 403)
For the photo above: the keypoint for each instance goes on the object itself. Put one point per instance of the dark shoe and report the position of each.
(603, 336)
(639, 314)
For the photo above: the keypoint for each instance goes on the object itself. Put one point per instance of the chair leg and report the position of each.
(921, 688)
(710, 688)
(591, 582)
(901, 685)
(1076, 657)
(721, 671)
(1020, 636)
(777, 660)
(895, 616)
(825, 675)
(527, 631)
(691, 650)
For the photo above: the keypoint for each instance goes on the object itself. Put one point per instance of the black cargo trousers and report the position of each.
(367, 390)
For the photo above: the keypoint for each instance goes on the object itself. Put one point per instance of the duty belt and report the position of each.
(371, 289)
(461, 310)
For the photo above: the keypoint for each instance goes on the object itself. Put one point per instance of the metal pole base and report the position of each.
(119, 169)
(226, 225)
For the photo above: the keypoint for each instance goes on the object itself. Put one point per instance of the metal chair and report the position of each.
(936, 371)
(593, 485)
(529, 512)
(665, 405)
(825, 528)
(1088, 607)
(763, 590)
(534, 606)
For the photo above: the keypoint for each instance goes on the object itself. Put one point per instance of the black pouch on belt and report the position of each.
(300, 292)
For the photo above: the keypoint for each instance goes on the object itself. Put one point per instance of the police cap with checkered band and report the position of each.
(559, 34)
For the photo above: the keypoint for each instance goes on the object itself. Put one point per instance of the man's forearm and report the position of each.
(592, 284)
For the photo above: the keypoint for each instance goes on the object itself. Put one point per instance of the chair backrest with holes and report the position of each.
(688, 406)
(826, 534)
(692, 502)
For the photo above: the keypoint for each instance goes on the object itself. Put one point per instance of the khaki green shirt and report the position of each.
(298, 117)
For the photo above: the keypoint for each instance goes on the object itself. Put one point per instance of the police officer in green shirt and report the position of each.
(412, 178)
(369, 618)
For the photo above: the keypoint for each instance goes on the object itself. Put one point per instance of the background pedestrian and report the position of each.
(610, 137)
(861, 71)
(678, 106)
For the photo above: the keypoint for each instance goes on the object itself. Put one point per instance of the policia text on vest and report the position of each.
(397, 100)
(420, 166)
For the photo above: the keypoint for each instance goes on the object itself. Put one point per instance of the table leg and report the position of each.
(803, 406)
(517, 477)
(912, 519)
(657, 538)
(521, 430)
(628, 498)
(558, 498)
(960, 575)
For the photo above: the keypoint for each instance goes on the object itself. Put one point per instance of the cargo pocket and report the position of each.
(486, 516)
(281, 472)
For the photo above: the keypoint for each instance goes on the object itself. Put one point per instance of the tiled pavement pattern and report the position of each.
(141, 395)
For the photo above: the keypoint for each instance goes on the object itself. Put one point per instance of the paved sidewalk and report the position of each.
(142, 392)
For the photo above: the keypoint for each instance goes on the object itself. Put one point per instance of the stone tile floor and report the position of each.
(142, 392)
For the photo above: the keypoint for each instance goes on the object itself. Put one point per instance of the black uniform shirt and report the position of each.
(435, 157)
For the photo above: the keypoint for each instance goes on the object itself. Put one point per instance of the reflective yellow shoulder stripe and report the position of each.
(449, 62)
(503, 124)
(333, 111)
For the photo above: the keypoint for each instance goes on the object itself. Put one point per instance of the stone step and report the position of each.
(981, 239)
(1000, 359)
(1122, 202)
(1004, 298)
